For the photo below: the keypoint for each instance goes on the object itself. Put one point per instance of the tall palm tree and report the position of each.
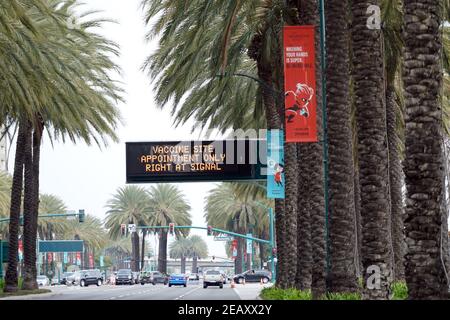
(342, 273)
(167, 205)
(392, 17)
(368, 59)
(129, 205)
(422, 80)
(63, 85)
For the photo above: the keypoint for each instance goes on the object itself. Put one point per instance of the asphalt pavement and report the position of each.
(193, 291)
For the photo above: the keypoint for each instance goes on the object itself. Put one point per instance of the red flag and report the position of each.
(300, 84)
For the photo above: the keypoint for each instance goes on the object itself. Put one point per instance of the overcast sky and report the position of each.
(86, 177)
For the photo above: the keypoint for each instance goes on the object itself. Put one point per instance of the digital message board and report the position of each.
(189, 161)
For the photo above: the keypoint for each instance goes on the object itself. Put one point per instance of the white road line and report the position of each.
(189, 292)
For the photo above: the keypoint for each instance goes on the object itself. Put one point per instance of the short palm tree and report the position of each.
(180, 249)
(51, 204)
(167, 205)
(129, 205)
(198, 250)
(228, 209)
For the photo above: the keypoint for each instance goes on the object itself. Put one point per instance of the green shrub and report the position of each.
(343, 296)
(274, 293)
(2, 283)
(399, 291)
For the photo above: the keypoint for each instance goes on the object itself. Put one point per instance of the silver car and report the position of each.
(42, 281)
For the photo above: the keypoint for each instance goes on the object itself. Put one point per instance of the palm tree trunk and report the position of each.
(135, 252)
(162, 252)
(239, 257)
(11, 278)
(395, 184)
(194, 263)
(372, 151)
(358, 241)
(309, 15)
(422, 78)
(143, 249)
(29, 279)
(262, 254)
(342, 276)
(290, 231)
(304, 249)
(183, 264)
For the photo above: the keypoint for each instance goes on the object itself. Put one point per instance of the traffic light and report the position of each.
(171, 228)
(81, 216)
(210, 231)
(21, 221)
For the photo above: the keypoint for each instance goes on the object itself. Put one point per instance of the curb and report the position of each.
(31, 296)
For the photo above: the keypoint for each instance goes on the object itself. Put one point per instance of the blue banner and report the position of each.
(66, 257)
(275, 164)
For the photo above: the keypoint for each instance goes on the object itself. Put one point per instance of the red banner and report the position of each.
(50, 257)
(300, 84)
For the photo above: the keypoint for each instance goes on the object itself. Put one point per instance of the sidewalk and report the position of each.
(250, 291)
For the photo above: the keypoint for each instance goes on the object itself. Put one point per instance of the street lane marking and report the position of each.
(189, 292)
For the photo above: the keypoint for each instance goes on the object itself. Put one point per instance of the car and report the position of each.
(42, 281)
(65, 276)
(55, 282)
(213, 278)
(125, 276)
(177, 279)
(194, 277)
(158, 277)
(91, 277)
(253, 276)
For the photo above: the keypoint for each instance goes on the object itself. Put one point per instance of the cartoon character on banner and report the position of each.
(301, 99)
(278, 170)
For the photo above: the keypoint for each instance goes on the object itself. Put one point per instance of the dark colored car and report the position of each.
(65, 276)
(154, 277)
(91, 277)
(253, 276)
(125, 276)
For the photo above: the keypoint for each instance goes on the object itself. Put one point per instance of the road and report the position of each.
(194, 291)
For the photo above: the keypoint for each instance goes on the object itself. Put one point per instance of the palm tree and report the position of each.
(198, 250)
(168, 205)
(392, 17)
(51, 204)
(372, 150)
(422, 81)
(129, 205)
(5, 194)
(228, 209)
(63, 85)
(342, 273)
(91, 232)
(180, 249)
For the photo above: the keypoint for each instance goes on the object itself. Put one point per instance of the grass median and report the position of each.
(399, 292)
(20, 292)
